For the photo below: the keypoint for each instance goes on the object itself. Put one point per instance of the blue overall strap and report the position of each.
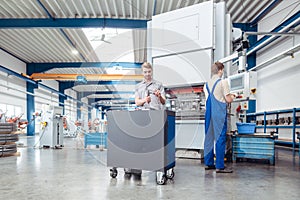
(213, 89)
(218, 113)
(214, 86)
(208, 111)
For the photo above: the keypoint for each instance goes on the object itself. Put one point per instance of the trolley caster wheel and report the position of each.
(160, 178)
(113, 173)
(127, 175)
(170, 173)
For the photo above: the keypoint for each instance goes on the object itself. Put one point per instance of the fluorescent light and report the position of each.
(74, 51)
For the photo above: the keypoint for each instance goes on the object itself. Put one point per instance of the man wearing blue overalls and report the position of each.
(218, 95)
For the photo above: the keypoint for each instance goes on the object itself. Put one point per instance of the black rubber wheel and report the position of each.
(162, 181)
(113, 173)
(127, 175)
(171, 174)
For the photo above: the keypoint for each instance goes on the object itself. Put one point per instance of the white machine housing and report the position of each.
(182, 45)
(52, 134)
(243, 85)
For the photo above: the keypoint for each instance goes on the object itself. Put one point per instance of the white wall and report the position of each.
(12, 63)
(8, 84)
(71, 105)
(277, 82)
(277, 86)
(281, 12)
(10, 96)
(44, 96)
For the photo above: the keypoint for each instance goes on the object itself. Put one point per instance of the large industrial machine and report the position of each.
(182, 46)
(51, 133)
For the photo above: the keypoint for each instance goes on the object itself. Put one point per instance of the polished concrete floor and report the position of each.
(77, 173)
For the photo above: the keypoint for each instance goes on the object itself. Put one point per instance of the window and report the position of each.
(10, 110)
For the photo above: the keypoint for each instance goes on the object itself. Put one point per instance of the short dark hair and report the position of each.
(216, 67)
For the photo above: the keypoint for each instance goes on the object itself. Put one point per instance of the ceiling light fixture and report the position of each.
(74, 51)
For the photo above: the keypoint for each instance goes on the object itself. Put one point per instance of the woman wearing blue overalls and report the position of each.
(218, 95)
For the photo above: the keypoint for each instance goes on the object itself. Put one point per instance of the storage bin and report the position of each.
(245, 128)
(253, 147)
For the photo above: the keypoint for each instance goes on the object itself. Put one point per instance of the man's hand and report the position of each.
(233, 95)
(161, 98)
(157, 93)
(147, 99)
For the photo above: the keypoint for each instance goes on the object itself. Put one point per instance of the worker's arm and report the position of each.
(141, 102)
(162, 100)
(228, 96)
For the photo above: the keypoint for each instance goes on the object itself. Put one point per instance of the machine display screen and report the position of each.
(237, 83)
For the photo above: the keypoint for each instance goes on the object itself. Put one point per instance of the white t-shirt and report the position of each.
(221, 90)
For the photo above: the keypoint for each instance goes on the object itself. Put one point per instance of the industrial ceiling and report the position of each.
(34, 31)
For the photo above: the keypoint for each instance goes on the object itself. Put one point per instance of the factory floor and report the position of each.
(77, 173)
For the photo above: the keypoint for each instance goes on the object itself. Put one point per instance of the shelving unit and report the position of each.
(293, 123)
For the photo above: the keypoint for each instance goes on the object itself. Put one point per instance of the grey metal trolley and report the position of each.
(142, 139)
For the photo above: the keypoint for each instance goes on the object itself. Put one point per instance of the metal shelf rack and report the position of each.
(293, 126)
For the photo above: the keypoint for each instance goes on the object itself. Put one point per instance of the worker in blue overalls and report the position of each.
(218, 95)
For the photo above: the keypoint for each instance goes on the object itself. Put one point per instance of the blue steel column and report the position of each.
(30, 109)
(61, 98)
(103, 114)
(62, 86)
(30, 103)
(79, 97)
(265, 123)
(252, 109)
(294, 130)
(89, 113)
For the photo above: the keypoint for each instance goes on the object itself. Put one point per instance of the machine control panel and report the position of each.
(243, 85)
